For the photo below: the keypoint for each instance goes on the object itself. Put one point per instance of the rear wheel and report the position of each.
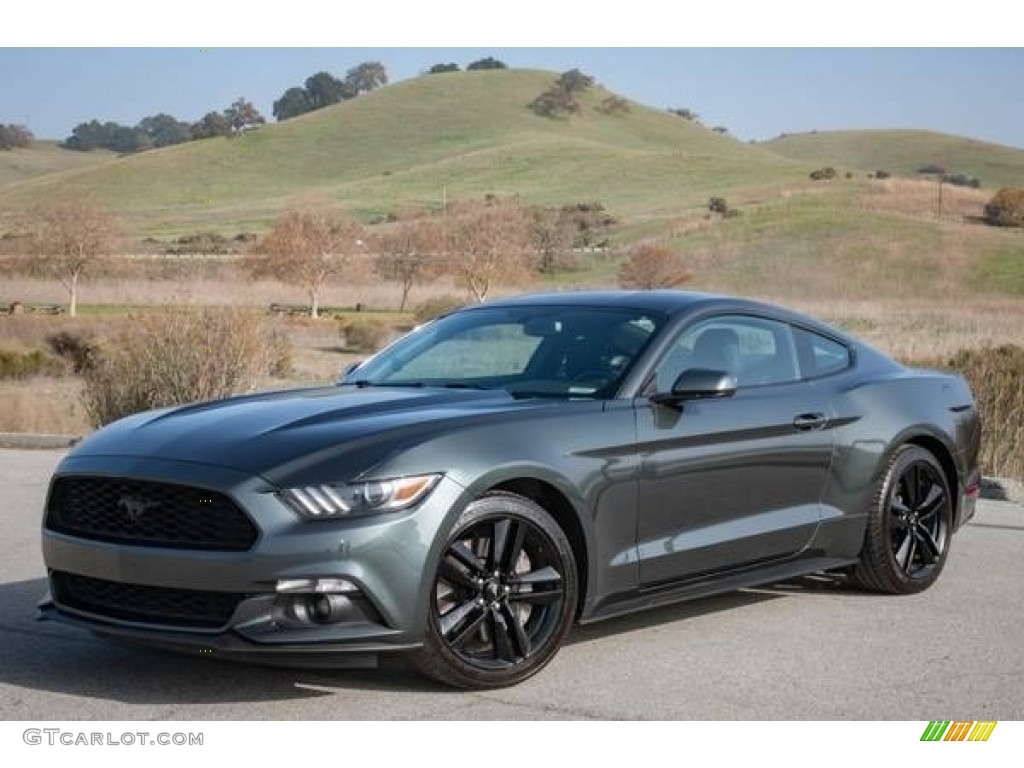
(503, 598)
(909, 527)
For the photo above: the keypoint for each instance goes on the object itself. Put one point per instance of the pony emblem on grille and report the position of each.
(134, 507)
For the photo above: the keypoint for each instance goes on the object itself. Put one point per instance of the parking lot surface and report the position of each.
(806, 649)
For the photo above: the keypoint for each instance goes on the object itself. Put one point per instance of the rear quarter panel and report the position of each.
(877, 408)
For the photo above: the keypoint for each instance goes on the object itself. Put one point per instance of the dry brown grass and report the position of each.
(920, 199)
(922, 328)
(43, 406)
(225, 286)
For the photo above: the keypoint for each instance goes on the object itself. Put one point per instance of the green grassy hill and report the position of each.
(46, 157)
(903, 152)
(469, 133)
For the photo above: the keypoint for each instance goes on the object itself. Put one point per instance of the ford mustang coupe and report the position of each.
(467, 494)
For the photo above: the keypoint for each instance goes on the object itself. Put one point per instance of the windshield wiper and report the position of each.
(363, 383)
(459, 385)
(524, 394)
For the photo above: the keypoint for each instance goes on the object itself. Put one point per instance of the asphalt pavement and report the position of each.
(806, 649)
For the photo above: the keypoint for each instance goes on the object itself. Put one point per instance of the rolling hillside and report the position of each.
(45, 157)
(469, 133)
(903, 152)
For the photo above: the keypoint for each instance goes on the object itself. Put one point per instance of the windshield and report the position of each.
(527, 351)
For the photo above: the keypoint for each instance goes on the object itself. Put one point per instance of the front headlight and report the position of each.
(338, 500)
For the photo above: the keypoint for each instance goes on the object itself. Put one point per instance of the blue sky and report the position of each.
(757, 93)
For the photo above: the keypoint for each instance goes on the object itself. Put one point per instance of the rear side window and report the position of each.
(820, 355)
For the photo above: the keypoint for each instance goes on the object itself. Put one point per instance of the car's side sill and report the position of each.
(666, 594)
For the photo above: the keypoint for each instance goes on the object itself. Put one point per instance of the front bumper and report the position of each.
(232, 646)
(389, 558)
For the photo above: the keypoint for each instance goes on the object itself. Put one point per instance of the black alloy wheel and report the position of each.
(503, 597)
(910, 525)
(918, 519)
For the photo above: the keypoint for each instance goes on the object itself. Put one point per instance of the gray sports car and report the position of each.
(467, 494)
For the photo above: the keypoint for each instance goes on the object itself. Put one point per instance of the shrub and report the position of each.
(931, 169)
(556, 101)
(718, 205)
(209, 243)
(613, 105)
(176, 357)
(962, 180)
(364, 334)
(20, 365)
(882, 175)
(651, 267)
(996, 376)
(15, 137)
(427, 310)
(686, 113)
(823, 174)
(75, 350)
(279, 354)
(1006, 208)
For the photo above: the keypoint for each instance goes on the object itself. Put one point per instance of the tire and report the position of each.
(503, 597)
(910, 525)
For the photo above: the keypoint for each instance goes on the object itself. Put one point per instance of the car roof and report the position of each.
(667, 302)
(670, 303)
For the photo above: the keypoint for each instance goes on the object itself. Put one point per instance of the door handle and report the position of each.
(809, 421)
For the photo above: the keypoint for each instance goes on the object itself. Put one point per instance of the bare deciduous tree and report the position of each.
(487, 244)
(310, 243)
(67, 238)
(409, 254)
(651, 267)
(551, 235)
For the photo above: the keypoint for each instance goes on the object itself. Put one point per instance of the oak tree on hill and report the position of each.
(574, 81)
(164, 130)
(242, 114)
(366, 77)
(439, 69)
(210, 125)
(488, 62)
(686, 113)
(324, 89)
(293, 102)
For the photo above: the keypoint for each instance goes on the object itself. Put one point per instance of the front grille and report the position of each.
(148, 605)
(148, 514)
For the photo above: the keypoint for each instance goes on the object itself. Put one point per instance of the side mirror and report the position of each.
(349, 369)
(698, 384)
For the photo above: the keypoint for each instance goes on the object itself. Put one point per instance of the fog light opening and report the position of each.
(329, 609)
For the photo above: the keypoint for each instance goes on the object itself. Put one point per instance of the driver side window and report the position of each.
(754, 350)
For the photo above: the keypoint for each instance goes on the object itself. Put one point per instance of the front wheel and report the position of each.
(503, 597)
(910, 525)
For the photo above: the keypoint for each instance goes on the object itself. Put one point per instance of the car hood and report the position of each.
(276, 434)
